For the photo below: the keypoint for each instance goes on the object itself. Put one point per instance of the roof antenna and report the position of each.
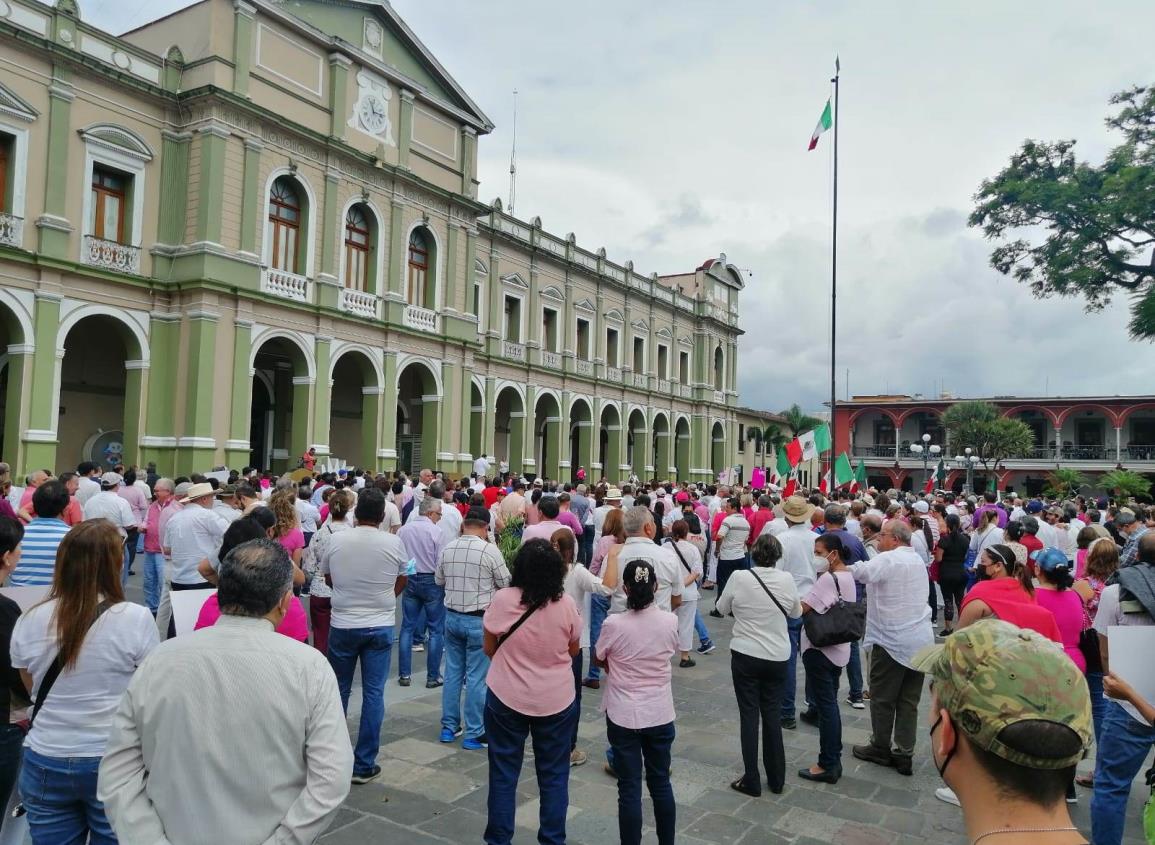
(513, 158)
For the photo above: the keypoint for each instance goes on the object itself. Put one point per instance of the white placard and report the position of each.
(186, 607)
(1131, 647)
(220, 475)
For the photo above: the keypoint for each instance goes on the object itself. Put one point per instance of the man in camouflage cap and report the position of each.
(1011, 718)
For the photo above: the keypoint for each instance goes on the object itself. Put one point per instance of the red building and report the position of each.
(1094, 434)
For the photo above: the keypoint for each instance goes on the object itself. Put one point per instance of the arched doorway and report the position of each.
(509, 429)
(11, 378)
(476, 421)
(682, 449)
(547, 436)
(418, 413)
(719, 369)
(279, 414)
(580, 437)
(610, 441)
(636, 443)
(718, 448)
(353, 410)
(661, 456)
(99, 406)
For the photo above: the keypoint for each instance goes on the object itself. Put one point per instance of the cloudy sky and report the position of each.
(671, 132)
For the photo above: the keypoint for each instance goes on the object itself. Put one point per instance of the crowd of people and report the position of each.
(317, 576)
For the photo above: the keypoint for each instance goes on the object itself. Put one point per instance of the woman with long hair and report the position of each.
(287, 530)
(532, 632)
(1055, 594)
(1100, 563)
(690, 568)
(613, 536)
(13, 695)
(951, 554)
(341, 504)
(87, 637)
(635, 650)
(1005, 591)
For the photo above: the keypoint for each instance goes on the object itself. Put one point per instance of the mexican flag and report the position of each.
(859, 477)
(783, 461)
(936, 478)
(794, 452)
(843, 472)
(815, 442)
(791, 487)
(824, 124)
(824, 484)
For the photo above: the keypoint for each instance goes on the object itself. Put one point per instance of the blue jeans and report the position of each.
(586, 546)
(700, 627)
(507, 730)
(422, 593)
(153, 579)
(634, 748)
(465, 665)
(60, 796)
(577, 684)
(599, 609)
(1098, 702)
(1123, 748)
(125, 563)
(822, 690)
(11, 749)
(854, 671)
(373, 647)
(794, 627)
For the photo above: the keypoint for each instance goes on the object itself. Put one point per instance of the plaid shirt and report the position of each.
(471, 569)
(1130, 552)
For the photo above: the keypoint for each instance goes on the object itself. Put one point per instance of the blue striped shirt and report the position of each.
(38, 553)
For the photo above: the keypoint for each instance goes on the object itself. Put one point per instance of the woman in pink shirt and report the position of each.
(287, 531)
(1055, 594)
(635, 648)
(532, 632)
(613, 534)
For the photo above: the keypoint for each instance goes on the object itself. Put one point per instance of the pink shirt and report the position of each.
(638, 645)
(542, 530)
(136, 500)
(570, 521)
(1067, 608)
(293, 541)
(823, 596)
(294, 625)
(604, 544)
(532, 672)
(154, 522)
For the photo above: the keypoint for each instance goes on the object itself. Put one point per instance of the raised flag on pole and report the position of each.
(822, 438)
(791, 487)
(824, 484)
(843, 472)
(784, 464)
(809, 446)
(794, 452)
(824, 124)
(936, 477)
(859, 477)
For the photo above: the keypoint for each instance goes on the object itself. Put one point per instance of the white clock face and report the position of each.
(374, 113)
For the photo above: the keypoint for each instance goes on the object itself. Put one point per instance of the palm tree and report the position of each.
(1123, 482)
(799, 422)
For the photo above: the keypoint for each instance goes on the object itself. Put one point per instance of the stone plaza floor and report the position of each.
(433, 793)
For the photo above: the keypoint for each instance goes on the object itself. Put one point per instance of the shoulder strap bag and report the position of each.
(762, 584)
(843, 622)
(681, 557)
(57, 667)
(529, 611)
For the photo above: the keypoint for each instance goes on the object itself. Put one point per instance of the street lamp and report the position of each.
(926, 450)
(967, 461)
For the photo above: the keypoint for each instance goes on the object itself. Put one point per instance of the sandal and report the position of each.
(740, 786)
(1087, 781)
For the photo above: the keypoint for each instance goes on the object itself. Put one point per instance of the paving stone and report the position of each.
(457, 825)
(715, 827)
(417, 751)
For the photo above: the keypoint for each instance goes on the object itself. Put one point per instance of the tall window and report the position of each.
(684, 367)
(718, 366)
(357, 247)
(583, 339)
(285, 220)
(418, 268)
(7, 143)
(549, 330)
(109, 190)
(639, 355)
(612, 348)
(663, 361)
(513, 319)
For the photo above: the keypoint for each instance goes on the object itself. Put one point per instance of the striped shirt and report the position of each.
(38, 553)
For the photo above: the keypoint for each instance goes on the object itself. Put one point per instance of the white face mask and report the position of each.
(821, 564)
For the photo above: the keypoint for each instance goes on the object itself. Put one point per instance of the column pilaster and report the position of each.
(174, 187)
(387, 451)
(405, 128)
(251, 200)
(237, 447)
(211, 189)
(243, 14)
(53, 225)
(40, 438)
(338, 97)
(322, 397)
(196, 445)
(327, 282)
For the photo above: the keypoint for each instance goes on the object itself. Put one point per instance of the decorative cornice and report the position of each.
(247, 10)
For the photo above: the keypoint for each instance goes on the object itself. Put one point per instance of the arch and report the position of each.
(343, 348)
(1112, 416)
(664, 416)
(117, 138)
(418, 386)
(509, 425)
(682, 447)
(355, 388)
(585, 400)
(376, 254)
(294, 339)
(20, 317)
(433, 269)
(516, 387)
(547, 434)
(476, 411)
(580, 436)
(138, 349)
(660, 436)
(478, 383)
(430, 367)
(636, 436)
(543, 392)
(1049, 413)
(717, 447)
(1126, 413)
(307, 218)
(907, 413)
(612, 407)
(874, 409)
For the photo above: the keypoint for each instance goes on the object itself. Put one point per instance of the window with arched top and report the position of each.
(285, 215)
(719, 368)
(421, 274)
(358, 248)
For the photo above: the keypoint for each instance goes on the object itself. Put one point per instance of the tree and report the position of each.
(1099, 219)
(992, 438)
(1064, 483)
(1124, 483)
(798, 422)
(767, 441)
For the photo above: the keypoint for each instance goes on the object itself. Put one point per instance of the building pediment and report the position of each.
(553, 293)
(13, 106)
(585, 305)
(514, 280)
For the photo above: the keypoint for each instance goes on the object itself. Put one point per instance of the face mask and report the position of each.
(949, 756)
(821, 564)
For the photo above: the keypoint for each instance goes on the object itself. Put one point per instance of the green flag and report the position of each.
(993, 486)
(822, 438)
(843, 471)
(860, 474)
(940, 473)
(783, 463)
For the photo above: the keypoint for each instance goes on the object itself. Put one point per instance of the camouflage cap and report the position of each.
(993, 674)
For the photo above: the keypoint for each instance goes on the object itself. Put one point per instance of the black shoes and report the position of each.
(810, 717)
(368, 776)
(829, 776)
(790, 724)
(740, 786)
(873, 754)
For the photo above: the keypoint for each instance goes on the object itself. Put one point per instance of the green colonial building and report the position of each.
(252, 227)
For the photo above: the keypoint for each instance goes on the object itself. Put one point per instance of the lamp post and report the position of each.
(926, 451)
(967, 461)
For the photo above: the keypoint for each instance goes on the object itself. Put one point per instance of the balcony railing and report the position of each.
(585, 368)
(1139, 452)
(877, 451)
(686, 391)
(358, 302)
(614, 374)
(513, 351)
(1087, 453)
(663, 386)
(123, 258)
(720, 397)
(640, 381)
(11, 229)
(420, 319)
(285, 285)
(551, 360)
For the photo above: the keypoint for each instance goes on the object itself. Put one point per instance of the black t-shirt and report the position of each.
(11, 684)
(954, 554)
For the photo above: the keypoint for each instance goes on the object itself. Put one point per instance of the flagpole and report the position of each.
(834, 280)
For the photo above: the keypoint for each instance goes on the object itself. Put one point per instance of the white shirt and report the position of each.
(364, 565)
(86, 488)
(233, 733)
(775, 527)
(918, 543)
(392, 518)
(481, 467)
(578, 582)
(77, 715)
(225, 512)
(979, 542)
(854, 527)
(734, 531)
(1048, 536)
(600, 520)
(450, 523)
(192, 535)
(666, 567)
(759, 626)
(897, 613)
(693, 559)
(798, 556)
(308, 515)
(107, 504)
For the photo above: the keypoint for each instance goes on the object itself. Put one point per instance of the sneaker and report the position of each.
(707, 585)
(475, 743)
(686, 663)
(365, 777)
(609, 770)
(1072, 796)
(419, 646)
(944, 633)
(716, 614)
(592, 683)
(810, 717)
(577, 757)
(404, 680)
(706, 647)
(790, 724)
(945, 793)
(434, 684)
(857, 704)
(448, 735)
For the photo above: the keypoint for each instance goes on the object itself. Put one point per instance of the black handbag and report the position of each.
(843, 622)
